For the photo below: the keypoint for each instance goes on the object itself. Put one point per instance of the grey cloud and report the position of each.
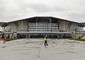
(77, 15)
(20, 8)
(8, 11)
(41, 8)
(61, 9)
(82, 2)
(2, 8)
(44, 8)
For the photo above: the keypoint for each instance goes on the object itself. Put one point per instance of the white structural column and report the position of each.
(50, 24)
(36, 24)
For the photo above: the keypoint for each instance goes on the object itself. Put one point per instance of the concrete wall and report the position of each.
(22, 25)
(73, 26)
(13, 27)
(17, 26)
(67, 26)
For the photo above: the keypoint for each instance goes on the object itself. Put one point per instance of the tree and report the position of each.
(4, 25)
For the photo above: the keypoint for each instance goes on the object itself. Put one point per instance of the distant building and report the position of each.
(41, 26)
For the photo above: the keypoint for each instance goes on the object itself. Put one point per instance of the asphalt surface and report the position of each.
(34, 49)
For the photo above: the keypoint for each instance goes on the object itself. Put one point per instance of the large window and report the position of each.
(42, 25)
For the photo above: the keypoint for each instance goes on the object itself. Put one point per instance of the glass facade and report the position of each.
(42, 25)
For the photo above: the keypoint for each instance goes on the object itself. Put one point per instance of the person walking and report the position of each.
(4, 41)
(45, 41)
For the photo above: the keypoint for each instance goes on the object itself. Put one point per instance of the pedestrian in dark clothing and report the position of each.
(45, 41)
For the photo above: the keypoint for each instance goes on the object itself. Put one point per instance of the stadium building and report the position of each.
(41, 26)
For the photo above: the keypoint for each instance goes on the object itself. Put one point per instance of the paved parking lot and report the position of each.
(33, 49)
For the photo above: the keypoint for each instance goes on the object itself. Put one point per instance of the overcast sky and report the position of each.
(73, 10)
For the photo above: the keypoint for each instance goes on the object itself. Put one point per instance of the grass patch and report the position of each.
(78, 39)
